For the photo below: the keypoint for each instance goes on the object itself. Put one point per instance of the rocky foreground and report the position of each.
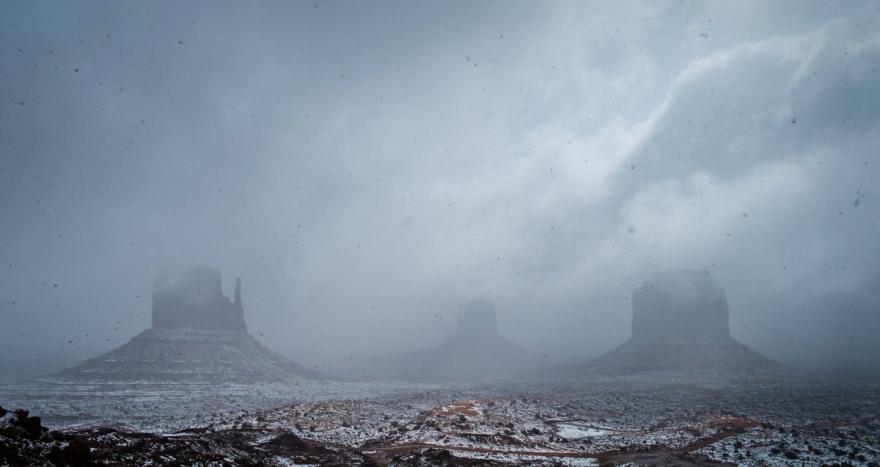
(611, 422)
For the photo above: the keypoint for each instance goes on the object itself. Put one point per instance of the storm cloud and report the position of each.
(368, 168)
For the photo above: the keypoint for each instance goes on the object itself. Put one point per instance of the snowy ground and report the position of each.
(604, 421)
(167, 406)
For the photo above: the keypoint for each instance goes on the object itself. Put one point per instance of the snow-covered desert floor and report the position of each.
(659, 420)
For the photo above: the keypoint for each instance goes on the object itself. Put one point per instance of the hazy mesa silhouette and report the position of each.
(680, 322)
(197, 334)
(475, 351)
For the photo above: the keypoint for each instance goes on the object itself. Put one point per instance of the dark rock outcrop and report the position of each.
(680, 322)
(102, 446)
(197, 335)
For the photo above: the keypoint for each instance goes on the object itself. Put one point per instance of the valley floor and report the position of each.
(660, 420)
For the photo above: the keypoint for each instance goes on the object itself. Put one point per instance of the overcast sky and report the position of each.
(369, 167)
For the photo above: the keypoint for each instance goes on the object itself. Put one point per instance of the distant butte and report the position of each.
(475, 351)
(198, 334)
(193, 298)
(680, 322)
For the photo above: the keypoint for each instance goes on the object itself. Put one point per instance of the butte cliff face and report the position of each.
(476, 323)
(680, 306)
(198, 334)
(680, 322)
(475, 351)
(193, 298)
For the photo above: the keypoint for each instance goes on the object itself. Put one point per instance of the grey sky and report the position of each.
(367, 168)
